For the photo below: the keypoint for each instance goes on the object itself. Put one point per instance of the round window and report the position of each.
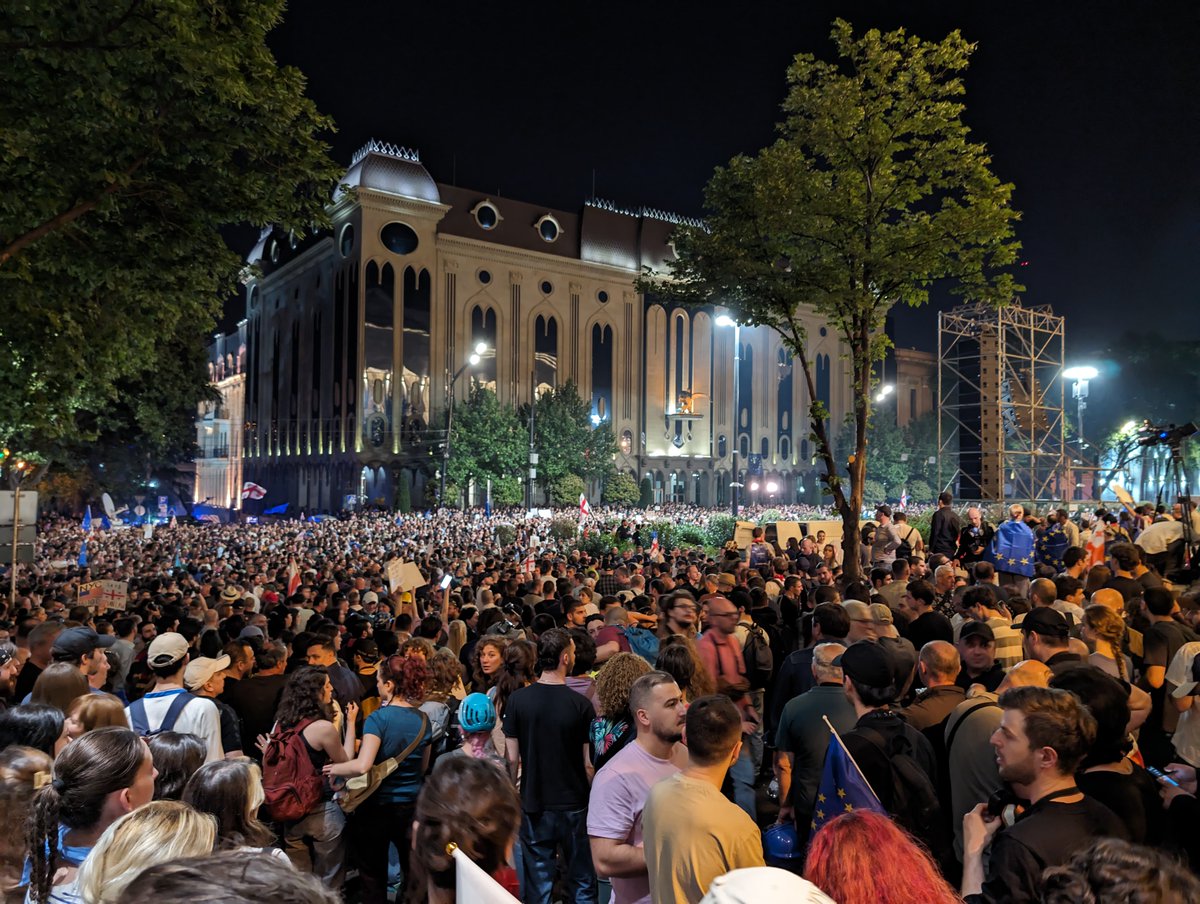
(347, 241)
(548, 228)
(547, 287)
(486, 215)
(398, 238)
(485, 276)
(602, 296)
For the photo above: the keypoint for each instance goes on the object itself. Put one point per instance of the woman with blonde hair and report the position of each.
(94, 711)
(456, 636)
(159, 832)
(231, 791)
(59, 685)
(1105, 631)
(614, 727)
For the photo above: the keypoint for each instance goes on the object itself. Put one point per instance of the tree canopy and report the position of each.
(134, 131)
(488, 442)
(566, 440)
(872, 194)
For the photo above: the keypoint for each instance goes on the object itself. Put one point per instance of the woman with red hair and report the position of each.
(864, 858)
(386, 817)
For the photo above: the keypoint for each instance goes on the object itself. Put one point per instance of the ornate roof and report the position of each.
(390, 168)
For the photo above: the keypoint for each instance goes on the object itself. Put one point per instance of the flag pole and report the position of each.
(850, 756)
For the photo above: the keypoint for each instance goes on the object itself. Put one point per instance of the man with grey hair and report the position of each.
(802, 737)
(945, 582)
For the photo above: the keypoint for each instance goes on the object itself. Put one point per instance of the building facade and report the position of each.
(353, 340)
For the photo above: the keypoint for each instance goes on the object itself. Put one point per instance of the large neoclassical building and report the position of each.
(337, 383)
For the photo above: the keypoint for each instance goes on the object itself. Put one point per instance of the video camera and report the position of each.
(1170, 435)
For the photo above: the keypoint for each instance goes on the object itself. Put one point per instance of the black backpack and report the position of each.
(760, 661)
(905, 550)
(915, 803)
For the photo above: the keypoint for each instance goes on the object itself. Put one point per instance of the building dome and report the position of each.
(391, 169)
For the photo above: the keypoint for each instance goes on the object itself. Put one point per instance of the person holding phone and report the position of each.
(1178, 793)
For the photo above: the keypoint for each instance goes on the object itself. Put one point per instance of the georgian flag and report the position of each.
(904, 499)
(293, 578)
(584, 508)
(251, 490)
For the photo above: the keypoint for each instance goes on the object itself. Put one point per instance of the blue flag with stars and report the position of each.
(1012, 549)
(83, 554)
(87, 520)
(843, 788)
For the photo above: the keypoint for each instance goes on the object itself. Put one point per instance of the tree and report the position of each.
(645, 493)
(488, 442)
(871, 195)
(567, 441)
(403, 494)
(621, 489)
(567, 490)
(134, 131)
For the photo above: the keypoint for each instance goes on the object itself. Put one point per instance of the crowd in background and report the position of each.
(269, 708)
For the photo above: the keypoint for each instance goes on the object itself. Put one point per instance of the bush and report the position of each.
(505, 534)
(403, 495)
(770, 516)
(621, 489)
(598, 545)
(646, 493)
(689, 535)
(873, 493)
(720, 530)
(563, 528)
(567, 490)
(920, 492)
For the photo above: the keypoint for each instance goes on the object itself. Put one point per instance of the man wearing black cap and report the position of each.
(874, 678)
(1046, 634)
(977, 647)
(84, 649)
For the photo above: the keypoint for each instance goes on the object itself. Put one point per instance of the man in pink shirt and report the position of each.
(722, 657)
(620, 789)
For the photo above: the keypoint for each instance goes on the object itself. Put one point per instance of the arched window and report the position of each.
(545, 353)
(602, 373)
(483, 329)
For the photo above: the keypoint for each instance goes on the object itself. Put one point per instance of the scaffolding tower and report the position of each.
(1001, 429)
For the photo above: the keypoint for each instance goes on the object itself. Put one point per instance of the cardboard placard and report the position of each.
(785, 530)
(743, 532)
(113, 594)
(411, 577)
(392, 569)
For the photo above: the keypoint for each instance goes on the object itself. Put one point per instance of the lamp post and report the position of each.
(474, 359)
(1079, 391)
(20, 468)
(735, 484)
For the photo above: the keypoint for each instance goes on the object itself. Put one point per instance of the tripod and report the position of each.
(1176, 476)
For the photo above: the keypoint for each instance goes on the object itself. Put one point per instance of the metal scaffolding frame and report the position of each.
(1001, 427)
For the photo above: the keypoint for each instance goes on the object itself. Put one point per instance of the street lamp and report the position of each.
(727, 321)
(1079, 391)
(884, 391)
(481, 349)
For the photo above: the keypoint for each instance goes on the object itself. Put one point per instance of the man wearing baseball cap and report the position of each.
(205, 677)
(84, 649)
(168, 706)
(977, 647)
(1046, 639)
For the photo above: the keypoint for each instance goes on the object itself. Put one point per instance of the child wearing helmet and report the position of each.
(477, 719)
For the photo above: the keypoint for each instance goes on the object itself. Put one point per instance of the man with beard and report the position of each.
(1043, 736)
(679, 615)
(620, 789)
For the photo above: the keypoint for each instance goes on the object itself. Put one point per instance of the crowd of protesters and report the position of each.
(267, 714)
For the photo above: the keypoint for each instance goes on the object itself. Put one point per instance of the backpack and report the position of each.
(760, 661)
(140, 722)
(291, 783)
(642, 642)
(915, 803)
(905, 550)
(760, 553)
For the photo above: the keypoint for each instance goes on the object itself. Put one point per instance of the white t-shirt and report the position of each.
(199, 717)
(1187, 734)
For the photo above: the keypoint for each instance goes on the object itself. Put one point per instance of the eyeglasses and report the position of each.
(712, 614)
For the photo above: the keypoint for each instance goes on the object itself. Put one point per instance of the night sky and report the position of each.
(1091, 110)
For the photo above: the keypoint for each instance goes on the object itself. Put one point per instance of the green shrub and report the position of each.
(689, 535)
(621, 489)
(505, 534)
(599, 544)
(567, 490)
(922, 523)
(720, 530)
(646, 494)
(403, 495)
(563, 528)
(770, 516)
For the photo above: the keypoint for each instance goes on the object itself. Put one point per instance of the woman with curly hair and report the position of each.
(466, 802)
(614, 727)
(487, 660)
(307, 706)
(864, 858)
(386, 816)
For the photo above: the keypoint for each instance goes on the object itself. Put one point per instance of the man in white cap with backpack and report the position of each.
(168, 706)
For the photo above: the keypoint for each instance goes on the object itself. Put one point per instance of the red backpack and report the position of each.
(291, 784)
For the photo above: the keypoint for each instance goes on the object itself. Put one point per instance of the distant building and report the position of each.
(220, 428)
(916, 383)
(352, 337)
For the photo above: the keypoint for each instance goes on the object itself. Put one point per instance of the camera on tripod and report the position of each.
(1170, 435)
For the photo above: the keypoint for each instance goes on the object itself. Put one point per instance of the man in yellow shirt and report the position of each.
(691, 833)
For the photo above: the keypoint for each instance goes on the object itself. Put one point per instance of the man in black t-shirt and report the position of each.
(1160, 642)
(1043, 736)
(546, 738)
(944, 528)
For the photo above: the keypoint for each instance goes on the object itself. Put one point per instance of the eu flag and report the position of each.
(276, 510)
(87, 520)
(842, 789)
(83, 555)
